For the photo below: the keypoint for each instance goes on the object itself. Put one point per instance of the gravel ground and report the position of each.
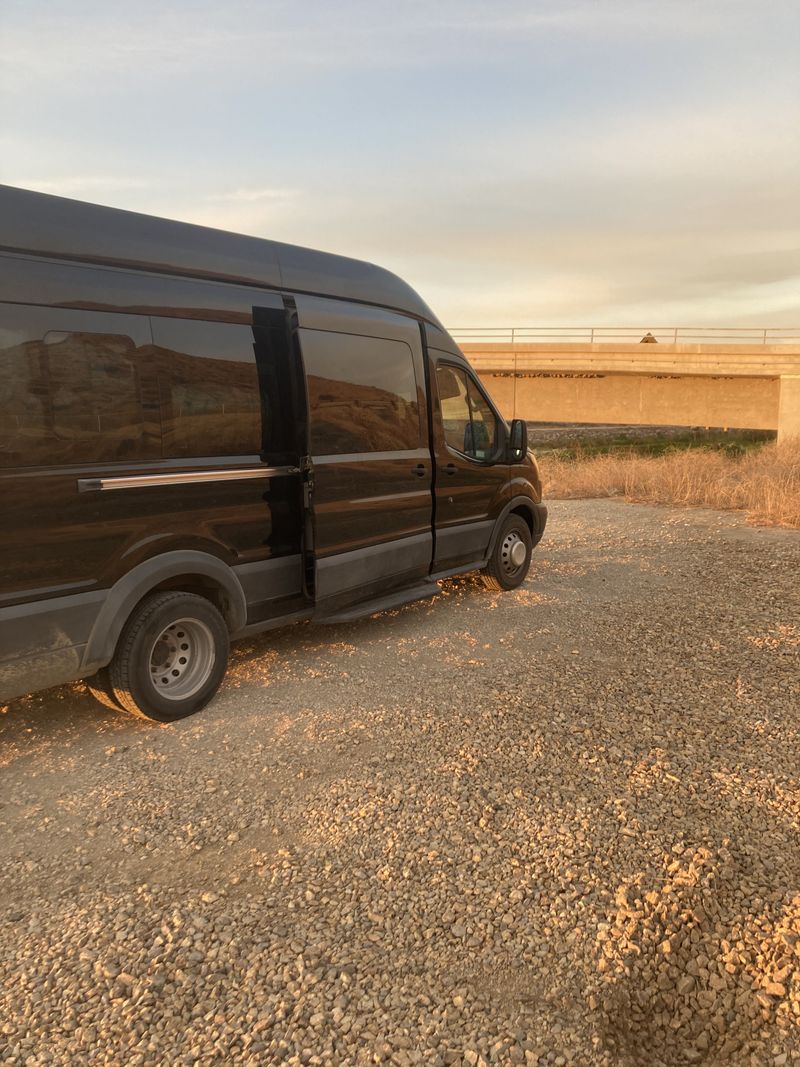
(554, 826)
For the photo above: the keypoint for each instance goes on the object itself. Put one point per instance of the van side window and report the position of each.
(484, 424)
(362, 394)
(208, 383)
(452, 386)
(72, 389)
(470, 425)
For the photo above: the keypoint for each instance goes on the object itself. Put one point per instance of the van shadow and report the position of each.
(395, 624)
(66, 714)
(63, 715)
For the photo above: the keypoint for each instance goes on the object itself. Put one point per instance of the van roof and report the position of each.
(42, 224)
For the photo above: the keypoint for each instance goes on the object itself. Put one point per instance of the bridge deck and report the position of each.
(726, 385)
(749, 361)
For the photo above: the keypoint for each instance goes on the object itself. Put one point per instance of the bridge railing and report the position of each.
(745, 335)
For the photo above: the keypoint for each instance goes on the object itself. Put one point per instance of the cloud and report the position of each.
(574, 160)
(251, 196)
(80, 187)
(265, 41)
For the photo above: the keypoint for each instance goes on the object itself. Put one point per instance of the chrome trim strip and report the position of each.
(141, 481)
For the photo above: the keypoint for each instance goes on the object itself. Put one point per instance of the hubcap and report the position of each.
(182, 658)
(512, 553)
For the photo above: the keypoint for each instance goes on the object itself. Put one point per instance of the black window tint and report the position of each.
(208, 382)
(483, 440)
(117, 290)
(454, 403)
(470, 425)
(71, 387)
(362, 394)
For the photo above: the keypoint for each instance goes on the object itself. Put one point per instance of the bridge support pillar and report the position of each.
(789, 407)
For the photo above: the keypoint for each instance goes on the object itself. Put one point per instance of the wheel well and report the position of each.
(200, 585)
(524, 513)
(188, 571)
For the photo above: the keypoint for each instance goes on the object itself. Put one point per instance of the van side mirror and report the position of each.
(518, 440)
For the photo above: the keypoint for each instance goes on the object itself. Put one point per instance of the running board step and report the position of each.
(384, 603)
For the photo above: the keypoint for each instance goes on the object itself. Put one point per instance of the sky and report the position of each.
(540, 163)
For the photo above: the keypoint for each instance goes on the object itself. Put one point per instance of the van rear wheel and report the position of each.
(171, 657)
(511, 556)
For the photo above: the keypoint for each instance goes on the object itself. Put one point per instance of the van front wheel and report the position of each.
(170, 658)
(511, 556)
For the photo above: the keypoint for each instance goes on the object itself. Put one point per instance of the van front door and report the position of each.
(469, 439)
(371, 498)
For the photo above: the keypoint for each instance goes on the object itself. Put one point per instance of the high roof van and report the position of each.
(205, 435)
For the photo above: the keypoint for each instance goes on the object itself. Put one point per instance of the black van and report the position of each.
(205, 435)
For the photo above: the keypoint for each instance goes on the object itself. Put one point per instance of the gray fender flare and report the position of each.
(125, 594)
(537, 512)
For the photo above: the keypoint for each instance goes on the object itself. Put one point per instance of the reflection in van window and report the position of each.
(210, 402)
(483, 440)
(69, 388)
(455, 406)
(362, 394)
(470, 426)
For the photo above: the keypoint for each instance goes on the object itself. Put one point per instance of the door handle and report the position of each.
(451, 468)
(419, 470)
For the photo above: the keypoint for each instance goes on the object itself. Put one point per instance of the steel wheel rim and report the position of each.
(512, 553)
(182, 659)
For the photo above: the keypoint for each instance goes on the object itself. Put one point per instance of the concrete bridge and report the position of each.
(746, 386)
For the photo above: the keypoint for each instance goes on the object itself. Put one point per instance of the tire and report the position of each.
(502, 572)
(171, 657)
(99, 685)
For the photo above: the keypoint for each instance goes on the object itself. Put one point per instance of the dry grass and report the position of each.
(764, 482)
